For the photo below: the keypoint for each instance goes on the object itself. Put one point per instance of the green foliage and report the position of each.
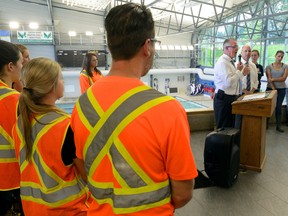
(253, 32)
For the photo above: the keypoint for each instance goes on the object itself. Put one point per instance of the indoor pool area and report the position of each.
(66, 106)
(199, 110)
(187, 104)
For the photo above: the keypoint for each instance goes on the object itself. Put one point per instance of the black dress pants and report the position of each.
(223, 109)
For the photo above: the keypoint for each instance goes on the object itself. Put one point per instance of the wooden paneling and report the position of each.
(253, 130)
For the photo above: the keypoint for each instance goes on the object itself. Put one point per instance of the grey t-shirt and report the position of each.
(277, 74)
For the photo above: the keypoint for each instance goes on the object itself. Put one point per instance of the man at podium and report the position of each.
(228, 80)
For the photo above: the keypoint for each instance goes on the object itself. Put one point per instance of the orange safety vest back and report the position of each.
(9, 168)
(137, 190)
(48, 187)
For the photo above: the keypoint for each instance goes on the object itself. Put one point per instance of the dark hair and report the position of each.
(256, 52)
(127, 27)
(8, 53)
(87, 62)
(279, 51)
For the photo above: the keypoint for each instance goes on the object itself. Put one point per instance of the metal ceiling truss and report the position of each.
(259, 12)
(237, 16)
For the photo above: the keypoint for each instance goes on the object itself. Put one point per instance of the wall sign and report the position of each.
(35, 37)
(5, 35)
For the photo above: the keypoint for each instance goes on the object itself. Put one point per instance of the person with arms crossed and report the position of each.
(90, 73)
(134, 140)
(255, 56)
(44, 146)
(228, 84)
(250, 81)
(10, 70)
(276, 75)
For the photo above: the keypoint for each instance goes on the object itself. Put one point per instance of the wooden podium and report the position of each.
(254, 110)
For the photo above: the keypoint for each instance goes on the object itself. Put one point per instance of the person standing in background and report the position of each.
(10, 70)
(26, 57)
(90, 73)
(131, 137)
(228, 84)
(254, 57)
(249, 82)
(276, 75)
(286, 82)
(44, 146)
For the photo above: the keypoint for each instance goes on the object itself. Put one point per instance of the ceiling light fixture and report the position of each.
(90, 4)
(190, 47)
(164, 47)
(14, 25)
(72, 33)
(33, 25)
(89, 33)
(183, 47)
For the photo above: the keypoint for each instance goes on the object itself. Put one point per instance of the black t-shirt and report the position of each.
(260, 74)
(68, 151)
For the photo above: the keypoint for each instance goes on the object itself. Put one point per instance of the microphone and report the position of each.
(239, 58)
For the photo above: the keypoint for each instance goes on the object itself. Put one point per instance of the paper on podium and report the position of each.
(254, 96)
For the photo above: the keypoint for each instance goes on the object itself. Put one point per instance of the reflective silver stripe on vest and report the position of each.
(61, 191)
(8, 152)
(128, 174)
(123, 168)
(84, 72)
(38, 126)
(5, 91)
(86, 105)
(124, 109)
(48, 181)
(51, 197)
(22, 154)
(89, 78)
(126, 201)
(43, 121)
(3, 140)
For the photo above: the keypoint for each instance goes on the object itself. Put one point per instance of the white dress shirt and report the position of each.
(253, 76)
(226, 76)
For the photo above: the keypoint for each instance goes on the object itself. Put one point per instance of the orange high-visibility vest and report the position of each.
(9, 168)
(137, 191)
(48, 187)
(87, 81)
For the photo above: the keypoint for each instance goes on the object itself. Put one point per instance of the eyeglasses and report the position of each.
(154, 40)
(234, 47)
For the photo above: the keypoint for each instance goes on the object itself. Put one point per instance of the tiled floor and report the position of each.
(254, 194)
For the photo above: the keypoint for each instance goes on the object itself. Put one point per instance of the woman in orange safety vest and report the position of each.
(44, 145)
(90, 73)
(10, 69)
